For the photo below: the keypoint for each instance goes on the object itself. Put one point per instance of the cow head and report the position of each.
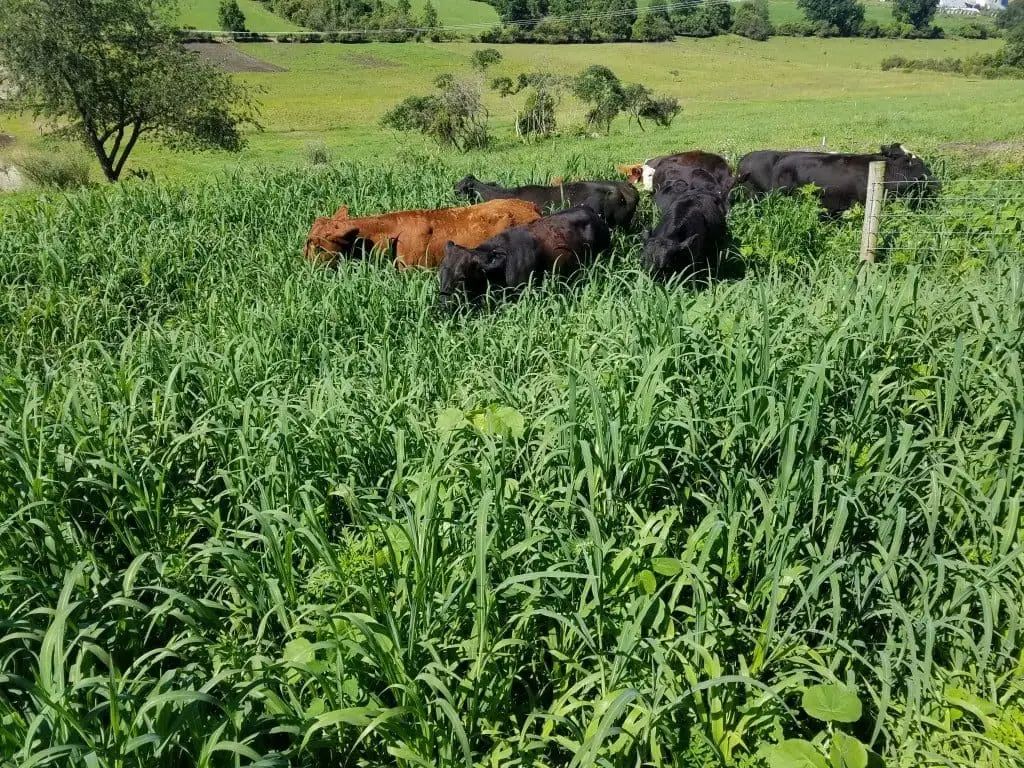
(663, 257)
(466, 187)
(907, 172)
(467, 272)
(633, 172)
(341, 214)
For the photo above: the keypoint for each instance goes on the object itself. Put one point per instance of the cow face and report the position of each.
(663, 257)
(633, 172)
(466, 187)
(466, 272)
(906, 169)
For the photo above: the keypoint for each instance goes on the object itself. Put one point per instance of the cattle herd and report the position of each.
(508, 236)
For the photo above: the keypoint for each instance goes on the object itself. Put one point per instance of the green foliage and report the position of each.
(641, 103)
(1011, 16)
(613, 19)
(111, 72)
(230, 16)
(845, 16)
(1013, 50)
(600, 89)
(484, 58)
(654, 24)
(57, 169)
(254, 513)
(917, 13)
(453, 117)
(831, 703)
(998, 65)
(430, 21)
(710, 18)
(751, 20)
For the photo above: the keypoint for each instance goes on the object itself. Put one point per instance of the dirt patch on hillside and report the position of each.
(984, 147)
(6, 141)
(369, 61)
(230, 59)
(11, 179)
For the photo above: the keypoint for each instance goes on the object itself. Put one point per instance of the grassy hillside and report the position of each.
(202, 14)
(737, 95)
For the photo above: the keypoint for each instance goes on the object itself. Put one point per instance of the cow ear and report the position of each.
(343, 240)
(341, 214)
(494, 261)
(451, 250)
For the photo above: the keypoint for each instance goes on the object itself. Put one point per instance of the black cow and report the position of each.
(558, 244)
(843, 178)
(690, 236)
(754, 172)
(682, 166)
(614, 201)
(676, 184)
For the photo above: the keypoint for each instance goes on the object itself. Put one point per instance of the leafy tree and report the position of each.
(112, 71)
(230, 16)
(514, 11)
(642, 104)
(484, 58)
(844, 15)
(598, 87)
(917, 13)
(654, 24)
(404, 8)
(613, 18)
(1013, 50)
(430, 21)
(453, 117)
(543, 92)
(712, 17)
(1011, 16)
(751, 20)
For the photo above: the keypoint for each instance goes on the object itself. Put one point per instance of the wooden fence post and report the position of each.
(872, 211)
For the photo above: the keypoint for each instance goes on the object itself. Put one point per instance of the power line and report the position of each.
(569, 18)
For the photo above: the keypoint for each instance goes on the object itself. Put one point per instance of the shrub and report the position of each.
(642, 104)
(60, 170)
(916, 13)
(712, 17)
(751, 20)
(598, 87)
(317, 153)
(230, 16)
(974, 30)
(795, 29)
(483, 59)
(845, 16)
(453, 117)
(654, 25)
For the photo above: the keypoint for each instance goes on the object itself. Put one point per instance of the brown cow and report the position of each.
(415, 238)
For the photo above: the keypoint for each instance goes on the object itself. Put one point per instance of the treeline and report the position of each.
(359, 20)
(1007, 62)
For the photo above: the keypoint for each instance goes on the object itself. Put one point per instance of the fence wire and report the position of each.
(965, 221)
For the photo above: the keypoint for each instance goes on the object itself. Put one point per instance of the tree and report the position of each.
(1013, 50)
(453, 117)
(844, 15)
(917, 13)
(598, 87)
(1011, 16)
(543, 91)
(613, 18)
(111, 72)
(230, 16)
(654, 24)
(751, 20)
(430, 21)
(514, 11)
(711, 17)
(642, 104)
(484, 58)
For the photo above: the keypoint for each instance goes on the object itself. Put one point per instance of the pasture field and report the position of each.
(202, 14)
(737, 95)
(258, 513)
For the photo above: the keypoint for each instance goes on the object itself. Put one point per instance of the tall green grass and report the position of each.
(256, 513)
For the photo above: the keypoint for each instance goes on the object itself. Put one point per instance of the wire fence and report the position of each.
(961, 220)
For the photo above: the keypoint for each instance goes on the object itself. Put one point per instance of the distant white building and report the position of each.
(970, 7)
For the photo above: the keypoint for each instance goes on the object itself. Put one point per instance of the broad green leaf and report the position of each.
(847, 752)
(832, 703)
(647, 583)
(499, 421)
(450, 420)
(666, 566)
(298, 651)
(795, 753)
